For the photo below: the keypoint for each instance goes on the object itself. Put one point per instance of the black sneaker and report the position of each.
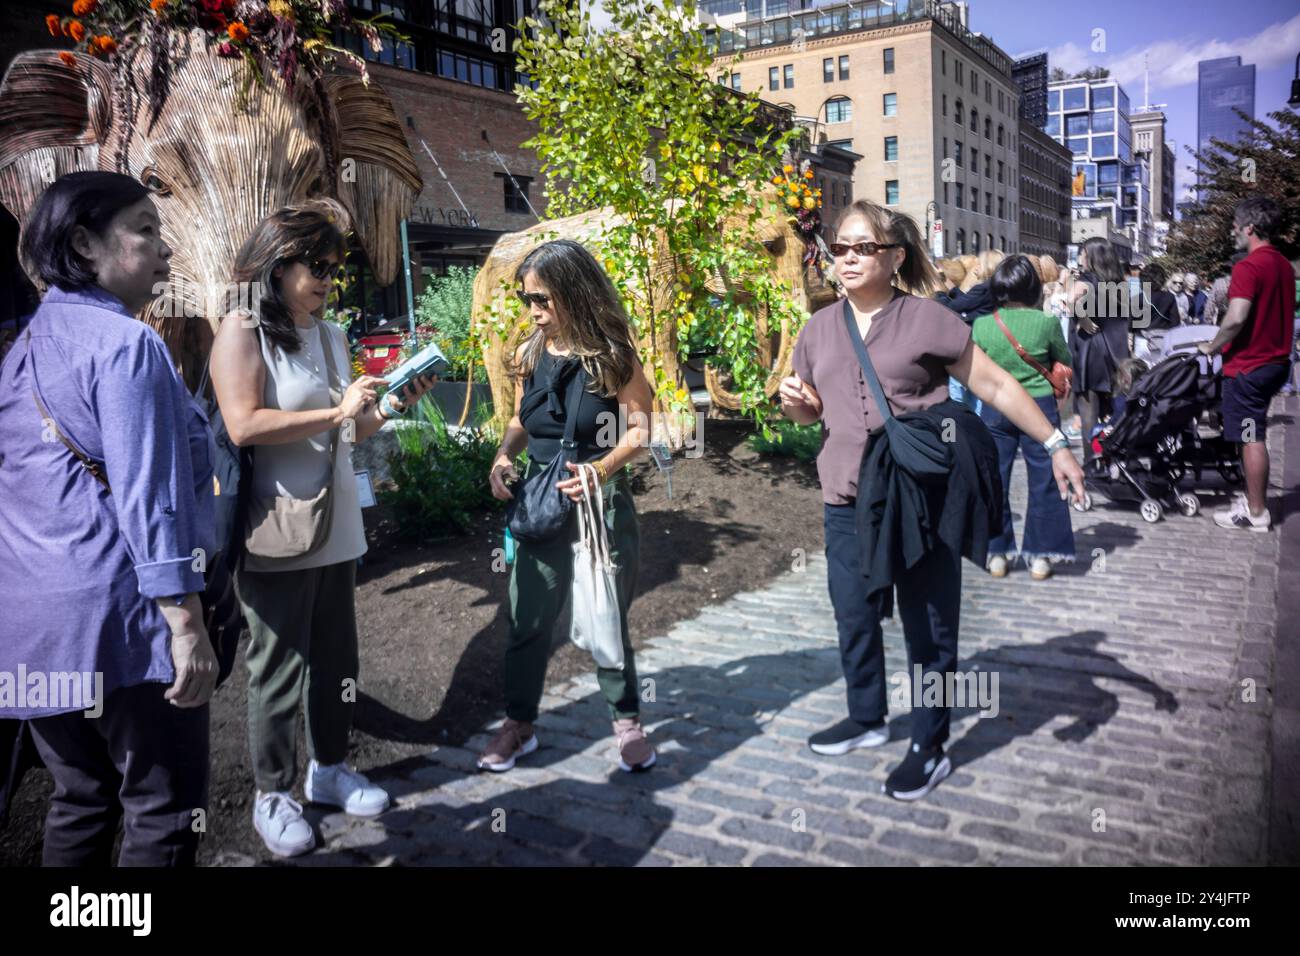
(848, 735)
(917, 774)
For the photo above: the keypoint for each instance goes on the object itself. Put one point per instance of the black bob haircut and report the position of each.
(1016, 280)
(90, 199)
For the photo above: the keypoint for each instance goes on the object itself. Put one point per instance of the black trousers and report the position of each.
(929, 605)
(142, 759)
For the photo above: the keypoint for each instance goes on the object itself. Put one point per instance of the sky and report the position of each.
(1166, 37)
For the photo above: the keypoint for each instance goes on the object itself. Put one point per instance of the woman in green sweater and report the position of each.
(1017, 293)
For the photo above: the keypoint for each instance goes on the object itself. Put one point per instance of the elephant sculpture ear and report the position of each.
(377, 176)
(56, 115)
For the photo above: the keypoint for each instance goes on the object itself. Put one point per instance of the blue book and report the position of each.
(428, 361)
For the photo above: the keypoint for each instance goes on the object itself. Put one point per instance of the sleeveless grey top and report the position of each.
(298, 381)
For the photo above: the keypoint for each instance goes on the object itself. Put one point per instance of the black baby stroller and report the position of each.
(1142, 455)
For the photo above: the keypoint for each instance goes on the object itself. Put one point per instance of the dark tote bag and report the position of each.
(919, 451)
(539, 511)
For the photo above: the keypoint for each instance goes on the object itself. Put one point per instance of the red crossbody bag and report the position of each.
(1058, 376)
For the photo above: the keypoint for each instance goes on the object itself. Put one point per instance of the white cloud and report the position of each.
(1173, 62)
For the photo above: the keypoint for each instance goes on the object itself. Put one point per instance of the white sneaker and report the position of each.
(338, 785)
(1239, 516)
(998, 566)
(278, 820)
(1040, 569)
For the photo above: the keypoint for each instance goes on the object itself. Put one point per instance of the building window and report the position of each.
(974, 120)
(1000, 134)
(516, 192)
(1000, 167)
(844, 66)
(975, 243)
(974, 82)
(891, 149)
(1002, 240)
(960, 77)
(1001, 103)
(988, 127)
(889, 59)
(988, 210)
(891, 192)
(1074, 98)
(974, 200)
(1002, 208)
(957, 152)
(961, 196)
(828, 70)
(943, 62)
(839, 110)
(990, 238)
(975, 161)
(961, 241)
(891, 104)
(773, 78)
(988, 92)
(789, 76)
(959, 114)
(735, 81)
(988, 168)
(945, 194)
(945, 106)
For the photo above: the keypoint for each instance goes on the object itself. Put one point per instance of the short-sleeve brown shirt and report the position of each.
(911, 342)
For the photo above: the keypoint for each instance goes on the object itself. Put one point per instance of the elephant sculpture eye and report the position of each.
(149, 176)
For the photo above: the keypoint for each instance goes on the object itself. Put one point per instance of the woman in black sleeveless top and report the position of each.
(1098, 333)
(581, 332)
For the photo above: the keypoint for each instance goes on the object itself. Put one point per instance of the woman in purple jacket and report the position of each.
(100, 575)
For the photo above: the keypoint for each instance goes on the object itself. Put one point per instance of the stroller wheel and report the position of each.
(1084, 505)
(1151, 511)
(1189, 504)
(1231, 474)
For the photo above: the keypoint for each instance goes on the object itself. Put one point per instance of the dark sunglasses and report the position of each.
(323, 268)
(839, 249)
(540, 298)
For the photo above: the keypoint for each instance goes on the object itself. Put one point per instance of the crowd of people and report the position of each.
(101, 527)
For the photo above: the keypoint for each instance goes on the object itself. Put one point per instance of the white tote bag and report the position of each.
(595, 626)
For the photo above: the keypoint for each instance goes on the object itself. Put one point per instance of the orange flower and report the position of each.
(105, 44)
(807, 174)
(84, 8)
(77, 30)
(237, 31)
(67, 58)
(52, 24)
(157, 5)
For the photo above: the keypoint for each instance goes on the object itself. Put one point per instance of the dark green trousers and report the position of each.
(540, 581)
(303, 646)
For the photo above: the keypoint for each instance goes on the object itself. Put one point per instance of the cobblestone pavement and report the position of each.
(1127, 730)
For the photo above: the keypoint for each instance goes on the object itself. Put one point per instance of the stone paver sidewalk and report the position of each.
(1133, 727)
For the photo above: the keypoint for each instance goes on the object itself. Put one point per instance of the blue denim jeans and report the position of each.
(1047, 531)
(960, 393)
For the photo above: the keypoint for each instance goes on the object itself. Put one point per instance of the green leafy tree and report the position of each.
(630, 119)
(443, 312)
(1265, 161)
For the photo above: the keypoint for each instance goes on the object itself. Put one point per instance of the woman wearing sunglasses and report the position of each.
(580, 335)
(915, 344)
(282, 393)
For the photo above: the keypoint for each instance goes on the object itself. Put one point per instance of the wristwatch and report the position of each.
(1056, 441)
(387, 403)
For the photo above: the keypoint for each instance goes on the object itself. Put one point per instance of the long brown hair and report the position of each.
(916, 275)
(299, 233)
(594, 324)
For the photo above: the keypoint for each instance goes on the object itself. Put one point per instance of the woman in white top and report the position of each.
(281, 392)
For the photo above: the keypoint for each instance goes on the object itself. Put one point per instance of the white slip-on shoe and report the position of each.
(278, 820)
(338, 785)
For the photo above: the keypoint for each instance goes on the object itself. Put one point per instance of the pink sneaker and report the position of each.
(634, 750)
(513, 740)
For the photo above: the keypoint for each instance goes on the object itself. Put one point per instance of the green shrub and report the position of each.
(443, 312)
(441, 476)
(787, 438)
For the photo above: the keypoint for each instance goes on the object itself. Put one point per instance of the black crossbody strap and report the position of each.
(572, 403)
(95, 468)
(864, 360)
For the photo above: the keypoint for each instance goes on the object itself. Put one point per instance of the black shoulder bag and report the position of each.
(918, 450)
(539, 511)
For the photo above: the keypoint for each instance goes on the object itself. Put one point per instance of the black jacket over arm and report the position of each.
(899, 518)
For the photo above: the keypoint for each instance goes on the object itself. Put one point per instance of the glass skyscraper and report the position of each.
(1223, 85)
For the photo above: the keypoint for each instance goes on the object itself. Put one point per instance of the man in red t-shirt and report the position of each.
(1258, 329)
